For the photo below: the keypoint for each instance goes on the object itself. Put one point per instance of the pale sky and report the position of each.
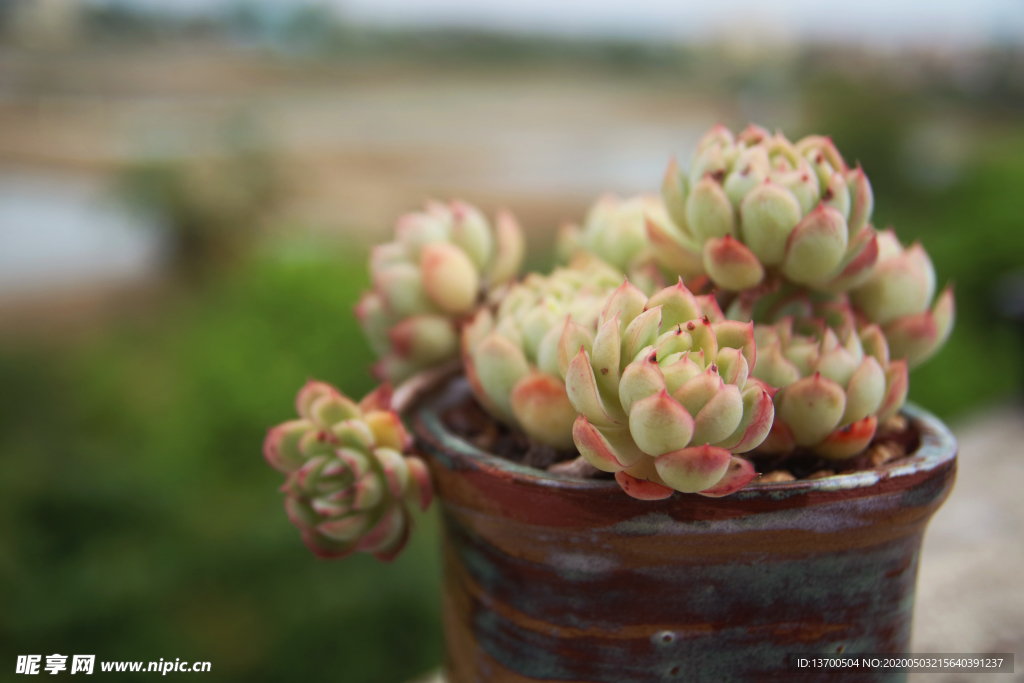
(881, 22)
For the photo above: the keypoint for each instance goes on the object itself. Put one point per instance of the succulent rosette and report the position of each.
(832, 383)
(618, 231)
(898, 297)
(511, 355)
(756, 206)
(663, 395)
(442, 264)
(349, 481)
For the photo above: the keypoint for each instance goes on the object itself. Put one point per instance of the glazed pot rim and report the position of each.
(937, 449)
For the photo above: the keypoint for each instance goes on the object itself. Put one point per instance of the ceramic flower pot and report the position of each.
(555, 579)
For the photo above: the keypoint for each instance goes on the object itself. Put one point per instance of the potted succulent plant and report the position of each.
(681, 455)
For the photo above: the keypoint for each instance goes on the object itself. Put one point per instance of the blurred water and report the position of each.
(515, 138)
(61, 231)
(552, 163)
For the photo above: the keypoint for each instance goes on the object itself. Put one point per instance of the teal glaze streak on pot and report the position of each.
(651, 524)
(443, 457)
(807, 519)
(479, 566)
(581, 573)
(922, 495)
(532, 655)
(804, 582)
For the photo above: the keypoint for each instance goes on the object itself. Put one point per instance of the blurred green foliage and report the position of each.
(138, 521)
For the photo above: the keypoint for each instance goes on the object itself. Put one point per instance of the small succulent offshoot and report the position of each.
(663, 395)
(444, 261)
(350, 481)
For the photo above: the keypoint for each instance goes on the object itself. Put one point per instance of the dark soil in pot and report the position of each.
(468, 420)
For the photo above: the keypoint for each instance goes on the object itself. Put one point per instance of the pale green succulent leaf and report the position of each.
(640, 379)
(709, 212)
(719, 417)
(768, 214)
(693, 469)
(812, 407)
(865, 391)
(659, 424)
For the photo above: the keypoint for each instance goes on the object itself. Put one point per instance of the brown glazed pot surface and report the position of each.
(549, 578)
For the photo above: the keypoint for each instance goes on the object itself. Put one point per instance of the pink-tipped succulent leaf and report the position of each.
(694, 469)
(898, 297)
(642, 489)
(739, 473)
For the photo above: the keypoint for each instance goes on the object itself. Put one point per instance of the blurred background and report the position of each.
(187, 193)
